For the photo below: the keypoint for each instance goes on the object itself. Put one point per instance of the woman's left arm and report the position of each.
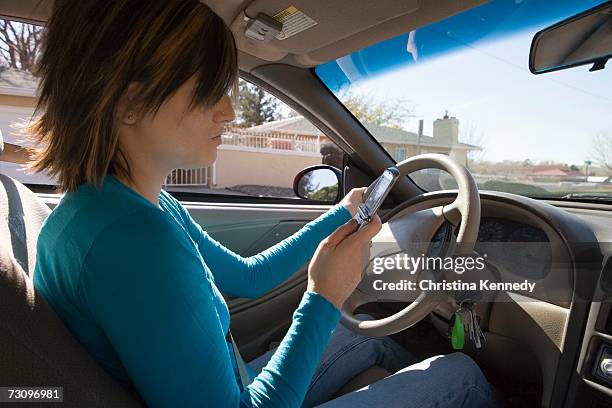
(252, 276)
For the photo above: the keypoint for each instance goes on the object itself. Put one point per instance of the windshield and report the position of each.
(462, 87)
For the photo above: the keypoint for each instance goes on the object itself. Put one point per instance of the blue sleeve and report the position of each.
(146, 285)
(253, 276)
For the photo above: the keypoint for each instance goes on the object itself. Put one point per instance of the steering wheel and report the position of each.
(402, 230)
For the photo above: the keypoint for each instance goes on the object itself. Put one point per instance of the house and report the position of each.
(402, 144)
(287, 145)
(544, 173)
(283, 147)
(525, 171)
(398, 142)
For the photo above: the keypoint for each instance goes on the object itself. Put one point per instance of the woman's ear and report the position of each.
(127, 112)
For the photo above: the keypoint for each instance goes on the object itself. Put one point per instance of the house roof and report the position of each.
(560, 170)
(547, 170)
(550, 172)
(298, 124)
(383, 134)
(17, 82)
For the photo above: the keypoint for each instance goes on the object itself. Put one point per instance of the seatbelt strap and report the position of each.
(245, 378)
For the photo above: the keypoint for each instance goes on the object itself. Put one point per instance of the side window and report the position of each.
(259, 156)
(19, 45)
(261, 152)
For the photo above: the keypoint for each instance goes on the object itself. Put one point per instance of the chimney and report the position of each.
(446, 130)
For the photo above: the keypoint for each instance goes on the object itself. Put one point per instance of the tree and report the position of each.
(255, 106)
(601, 150)
(470, 133)
(19, 44)
(310, 187)
(391, 113)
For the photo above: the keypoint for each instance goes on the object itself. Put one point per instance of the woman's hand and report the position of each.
(353, 199)
(337, 265)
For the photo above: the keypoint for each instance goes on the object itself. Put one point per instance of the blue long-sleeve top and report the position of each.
(139, 287)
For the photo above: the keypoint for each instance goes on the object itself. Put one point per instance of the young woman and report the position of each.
(130, 90)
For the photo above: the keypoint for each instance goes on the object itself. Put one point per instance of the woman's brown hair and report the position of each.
(92, 50)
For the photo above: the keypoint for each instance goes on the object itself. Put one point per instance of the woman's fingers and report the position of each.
(373, 227)
(368, 231)
(342, 232)
(353, 199)
(338, 263)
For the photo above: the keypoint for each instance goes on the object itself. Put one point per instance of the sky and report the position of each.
(488, 85)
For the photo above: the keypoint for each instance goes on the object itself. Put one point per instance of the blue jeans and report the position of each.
(452, 380)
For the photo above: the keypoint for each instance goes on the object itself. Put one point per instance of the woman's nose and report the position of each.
(224, 111)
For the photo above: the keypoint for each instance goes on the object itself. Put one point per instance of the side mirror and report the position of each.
(585, 38)
(320, 182)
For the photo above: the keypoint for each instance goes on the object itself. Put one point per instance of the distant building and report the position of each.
(399, 143)
(402, 144)
(537, 172)
(552, 173)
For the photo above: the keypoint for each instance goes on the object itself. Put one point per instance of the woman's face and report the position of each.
(178, 138)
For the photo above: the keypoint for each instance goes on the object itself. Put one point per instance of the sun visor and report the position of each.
(310, 25)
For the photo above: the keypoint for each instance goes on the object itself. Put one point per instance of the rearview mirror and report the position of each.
(319, 182)
(585, 38)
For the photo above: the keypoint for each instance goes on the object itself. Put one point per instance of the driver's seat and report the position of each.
(36, 348)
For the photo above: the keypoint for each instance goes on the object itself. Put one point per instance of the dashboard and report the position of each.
(497, 229)
(513, 247)
(503, 230)
(541, 335)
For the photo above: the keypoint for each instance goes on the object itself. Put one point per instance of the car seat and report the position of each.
(36, 348)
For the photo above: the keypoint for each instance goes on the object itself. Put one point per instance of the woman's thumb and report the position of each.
(370, 230)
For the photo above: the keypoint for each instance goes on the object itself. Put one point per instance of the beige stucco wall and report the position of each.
(460, 155)
(272, 168)
(17, 100)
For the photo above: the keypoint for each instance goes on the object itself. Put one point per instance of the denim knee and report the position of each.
(392, 356)
(472, 378)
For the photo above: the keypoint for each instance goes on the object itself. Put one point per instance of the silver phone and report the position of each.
(375, 195)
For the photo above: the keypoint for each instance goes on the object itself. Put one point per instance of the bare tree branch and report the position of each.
(19, 44)
(470, 133)
(601, 150)
(390, 113)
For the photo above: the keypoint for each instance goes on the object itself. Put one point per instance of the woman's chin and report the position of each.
(205, 158)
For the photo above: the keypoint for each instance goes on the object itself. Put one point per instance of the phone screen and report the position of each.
(379, 191)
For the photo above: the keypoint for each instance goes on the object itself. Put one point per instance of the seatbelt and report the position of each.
(245, 378)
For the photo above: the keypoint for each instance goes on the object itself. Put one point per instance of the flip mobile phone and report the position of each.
(375, 195)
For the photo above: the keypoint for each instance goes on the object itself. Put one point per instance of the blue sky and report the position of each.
(487, 84)
(542, 117)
